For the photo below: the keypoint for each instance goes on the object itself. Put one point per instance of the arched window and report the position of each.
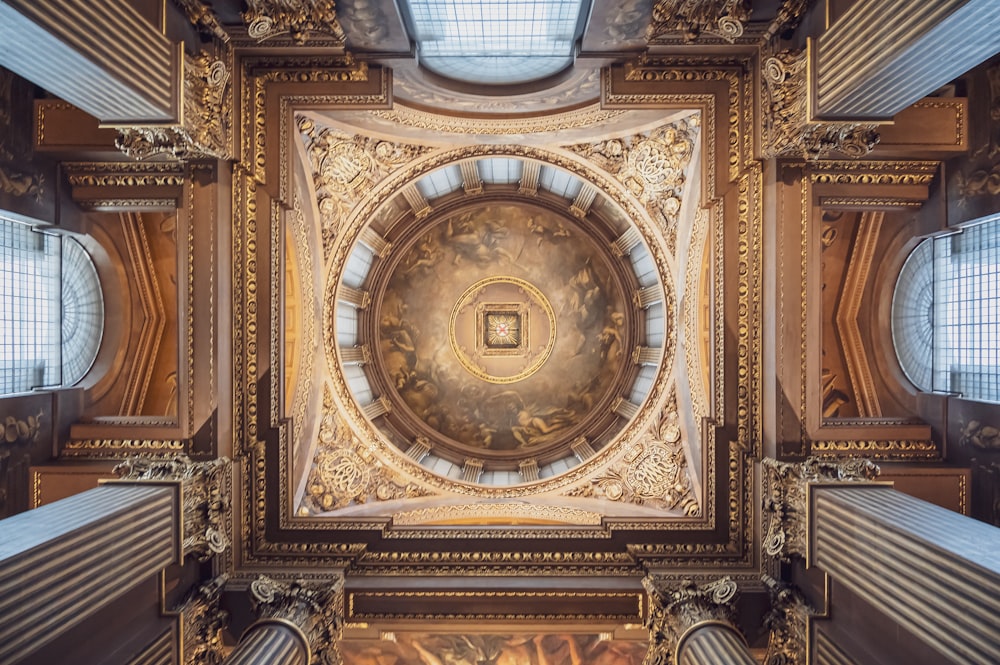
(53, 310)
(946, 312)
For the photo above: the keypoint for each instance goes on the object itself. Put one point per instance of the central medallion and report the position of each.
(502, 329)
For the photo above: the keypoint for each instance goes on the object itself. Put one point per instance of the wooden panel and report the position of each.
(930, 127)
(57, 481)
(945, 487)
(60, 126)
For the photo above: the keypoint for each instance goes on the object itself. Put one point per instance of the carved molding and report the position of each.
(311, 606)
(202, 623)
(205, 495)
(691, 18)
(787, 623)
(206, 124)
(674, 612)
(786, 127)
(786, 497)
(297, 18)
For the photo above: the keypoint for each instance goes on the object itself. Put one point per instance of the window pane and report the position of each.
(495, 41)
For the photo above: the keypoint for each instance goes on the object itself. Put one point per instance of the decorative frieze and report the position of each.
(787, 129)
(786, 498)
(205, 488)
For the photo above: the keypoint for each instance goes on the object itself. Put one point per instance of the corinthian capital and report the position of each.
(203, 622)
(205, 489)
(786, 496)
(786, 623)
(309, 607)
(204, 130)
(675, 611)
(787, 129)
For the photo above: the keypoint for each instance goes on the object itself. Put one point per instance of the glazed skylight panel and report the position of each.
(30, 302)
(495, 41)
(967, 312)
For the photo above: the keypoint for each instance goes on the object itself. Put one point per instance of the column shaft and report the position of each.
(714, 644)
(883, 55)
(61, 562)
(933, 571)
(270, 644)
(102, 57)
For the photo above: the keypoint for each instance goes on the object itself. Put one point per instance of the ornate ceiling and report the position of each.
(498, 322)
(485, 350)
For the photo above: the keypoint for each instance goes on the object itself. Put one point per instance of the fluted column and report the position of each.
(883, 55)
(695, 625)
(102, 57)
(62, 562)
(933, 571)
(296, 623)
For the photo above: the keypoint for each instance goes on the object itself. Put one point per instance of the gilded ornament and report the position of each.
(980, 435)
(345, 168)
(203, 622)
(201, 15)
(651, 166)
(787, 129)
(653, 471)
(346, 472)
(673, 611)
(787, 624)
(691, 18)
(786, 496)
(297, 18)
(310, 606)
(205, 496)
(207, 116)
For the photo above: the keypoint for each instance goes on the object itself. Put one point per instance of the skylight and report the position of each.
(495, 41)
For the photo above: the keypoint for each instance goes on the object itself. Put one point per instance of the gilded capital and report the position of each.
(203, 622)
(786, 497)
(204, 129)
(674, 612)
(787, 129)
(724, 18)
(296, 18)
(787, 625)
(309, 606)
(205, 490)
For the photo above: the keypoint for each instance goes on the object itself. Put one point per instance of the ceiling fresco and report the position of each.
(536, 321)
(509, 649)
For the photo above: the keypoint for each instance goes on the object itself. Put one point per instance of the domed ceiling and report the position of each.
(483, 329)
